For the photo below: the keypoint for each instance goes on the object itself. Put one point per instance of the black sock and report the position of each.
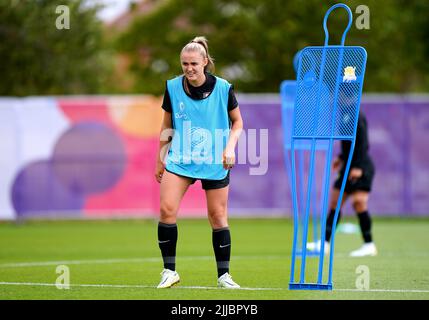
(330, 222)
(365, 226)
(222, 248)
(167, 240)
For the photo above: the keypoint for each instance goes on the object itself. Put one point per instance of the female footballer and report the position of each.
(358, 188)
(201, 126)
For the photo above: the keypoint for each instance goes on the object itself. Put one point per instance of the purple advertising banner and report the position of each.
(87, 157)
(398, 130)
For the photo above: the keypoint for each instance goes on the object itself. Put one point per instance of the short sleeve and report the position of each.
(232, 100)
(166, 103)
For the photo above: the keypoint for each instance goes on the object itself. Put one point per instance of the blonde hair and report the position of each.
(200, 44)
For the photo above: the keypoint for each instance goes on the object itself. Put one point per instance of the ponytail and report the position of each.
(200, 44)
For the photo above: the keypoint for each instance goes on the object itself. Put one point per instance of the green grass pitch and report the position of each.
(120, 259)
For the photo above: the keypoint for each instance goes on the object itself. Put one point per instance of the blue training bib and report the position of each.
(201, 131)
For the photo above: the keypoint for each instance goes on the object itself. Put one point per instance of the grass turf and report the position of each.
(125, 253)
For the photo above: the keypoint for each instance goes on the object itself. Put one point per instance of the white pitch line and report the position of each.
(95, 261)
(129, 260)
(385, 290)
(54, 263)
(198, 287)
(126, 286)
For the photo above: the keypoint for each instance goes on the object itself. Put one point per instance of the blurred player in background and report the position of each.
(358, 188)
(197, 105)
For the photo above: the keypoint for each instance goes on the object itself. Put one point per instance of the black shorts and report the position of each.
(364, 183)
(207, 183)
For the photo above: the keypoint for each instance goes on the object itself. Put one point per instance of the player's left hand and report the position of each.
(355, 173)
(228, 158)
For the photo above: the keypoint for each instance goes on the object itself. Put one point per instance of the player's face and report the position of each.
(193, 64)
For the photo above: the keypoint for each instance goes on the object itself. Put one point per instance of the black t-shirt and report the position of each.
(201, 92)
(361, 158)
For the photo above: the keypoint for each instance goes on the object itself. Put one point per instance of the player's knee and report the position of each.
(168, 210)
(333, 203)
(334, 199)
(359, 205)
(218, 217)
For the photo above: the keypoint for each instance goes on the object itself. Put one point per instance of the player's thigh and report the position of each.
(335, 194)
(172, 190)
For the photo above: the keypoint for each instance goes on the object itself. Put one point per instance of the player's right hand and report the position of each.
(228, 158)
(355, 174)
(159, 171)
(337, 163)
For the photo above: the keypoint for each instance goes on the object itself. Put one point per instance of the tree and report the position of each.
(255, 41)
(39, 58)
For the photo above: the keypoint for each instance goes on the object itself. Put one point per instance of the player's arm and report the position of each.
(234, 135)
(337, 163)
(361, 146)
(165, 137)
(359, 153)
